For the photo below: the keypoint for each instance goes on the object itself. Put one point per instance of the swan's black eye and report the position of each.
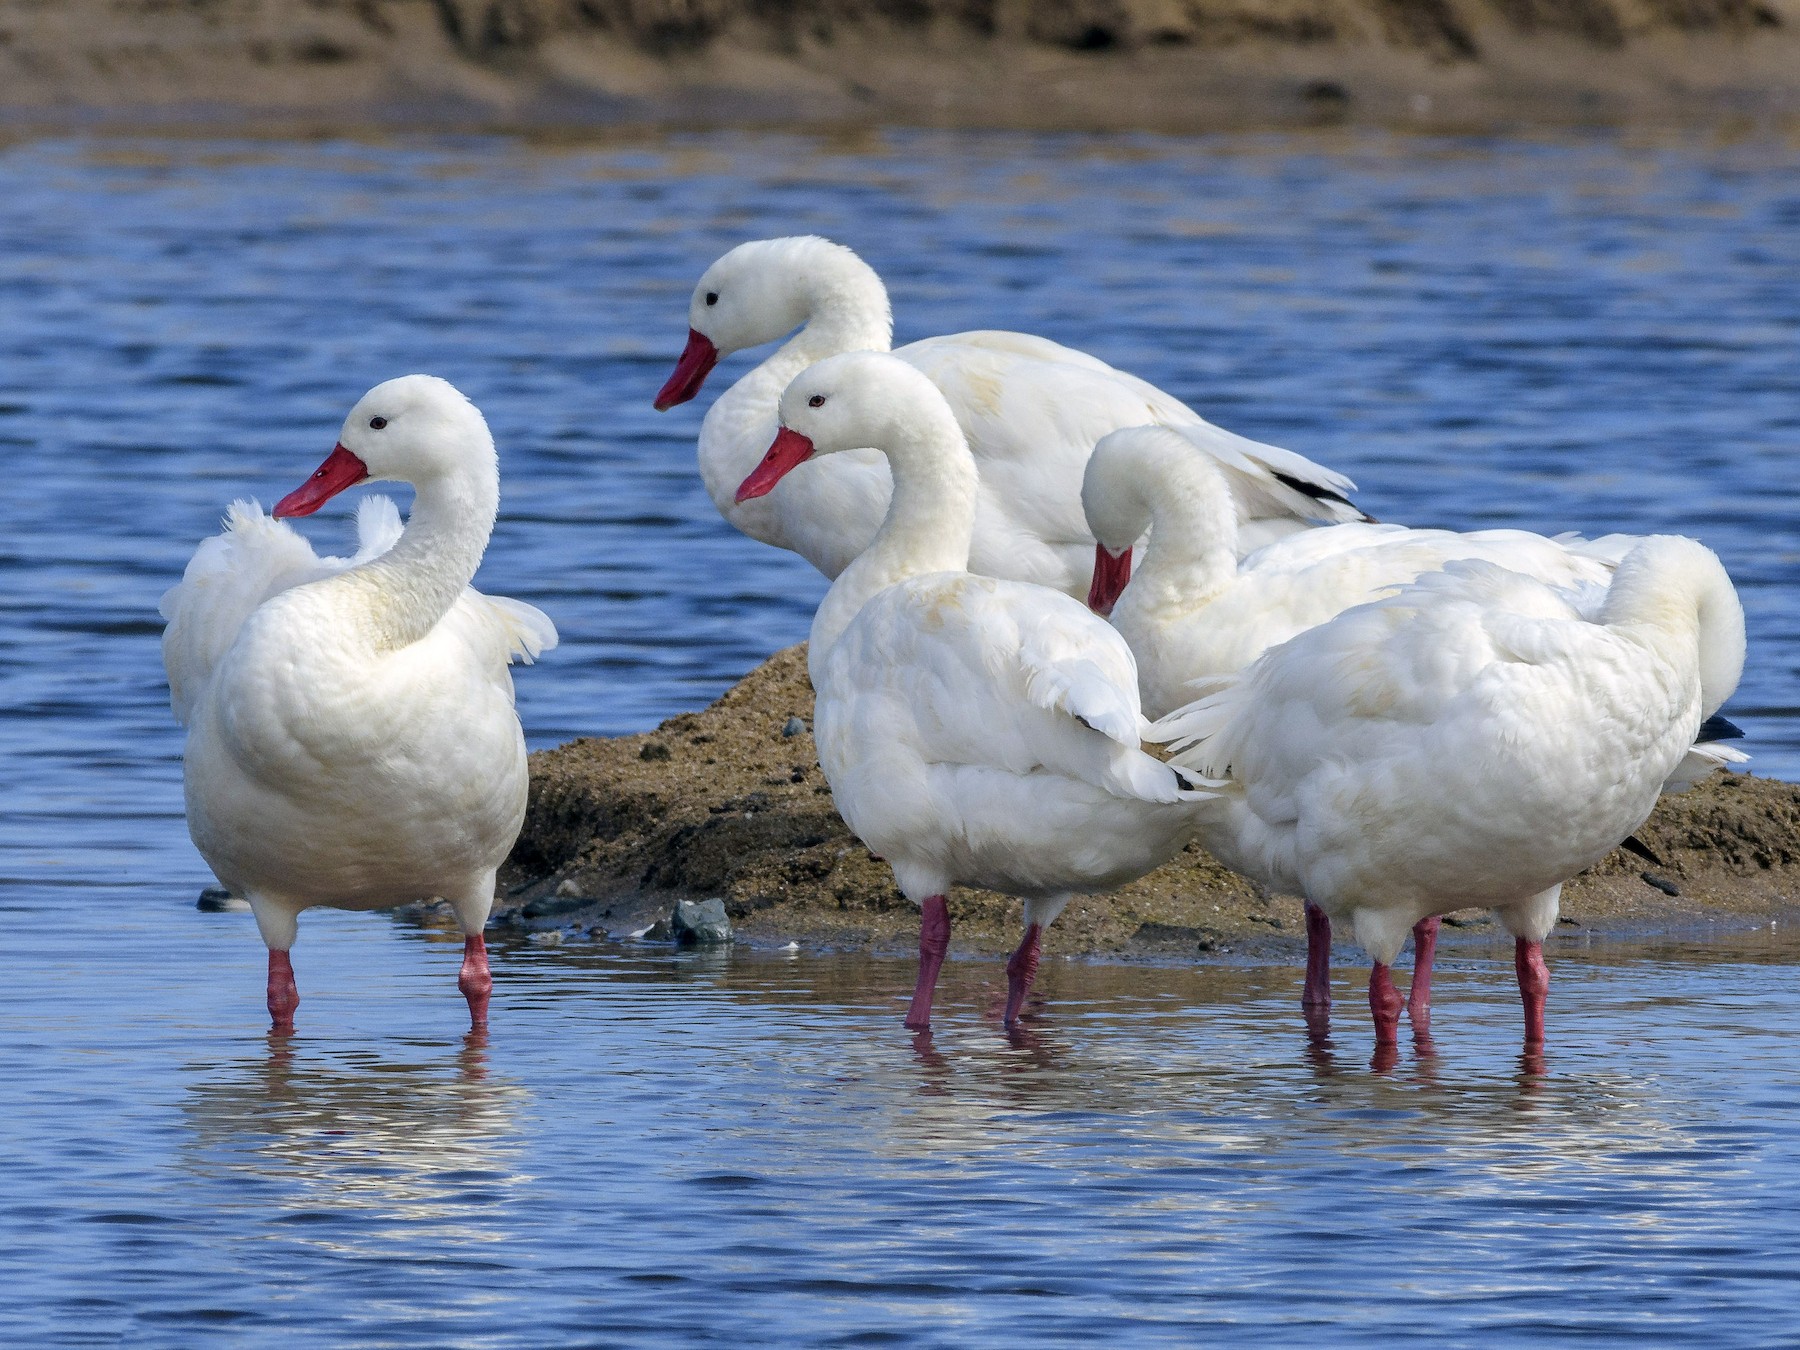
(712, 297)
(816, 401)
(378, 422)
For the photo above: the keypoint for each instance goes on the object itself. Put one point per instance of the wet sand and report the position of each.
(1089, 64)
(724, 803)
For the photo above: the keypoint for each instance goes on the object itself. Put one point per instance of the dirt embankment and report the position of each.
(730, 802)
(1161, 64)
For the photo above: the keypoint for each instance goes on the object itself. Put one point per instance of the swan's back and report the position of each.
(1473, 649)
(1020, 398)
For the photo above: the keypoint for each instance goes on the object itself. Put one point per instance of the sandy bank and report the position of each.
(725, 802)
(1161, 64)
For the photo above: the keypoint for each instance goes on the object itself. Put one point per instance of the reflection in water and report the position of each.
(1227, 1064)
(426, 1141)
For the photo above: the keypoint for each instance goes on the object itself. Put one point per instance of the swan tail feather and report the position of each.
(1198, 732)
(1700, 761)
(523, 631)
(229, 575)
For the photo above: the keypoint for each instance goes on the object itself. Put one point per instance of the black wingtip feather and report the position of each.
(1716, 728)
(1320, 493)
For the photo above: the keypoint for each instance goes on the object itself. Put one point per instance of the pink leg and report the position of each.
(284, 994)
(1021, 970)
(1425, 936)
(1317, 994)
(475, 981)
(1534, 987)
(934, 941)
(1384, 1005)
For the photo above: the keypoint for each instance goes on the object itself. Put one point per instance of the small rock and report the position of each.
(218, 900)
(654, 750)
(550, 937)
(700, 922)
(1662, 884)
(567, 887)
(794, 727)
(656, 932)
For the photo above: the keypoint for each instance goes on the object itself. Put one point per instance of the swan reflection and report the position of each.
(426, 1137)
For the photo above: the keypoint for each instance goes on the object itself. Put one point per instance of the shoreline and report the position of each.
(729, 803)
(1094, 65)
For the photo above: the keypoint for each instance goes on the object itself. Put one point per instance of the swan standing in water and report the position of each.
(351, 734)
(1194, 611)
(1475, 739)
(973, 730)
(1030, 409)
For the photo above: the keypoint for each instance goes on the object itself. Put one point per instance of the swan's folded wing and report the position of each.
(1270, 481)
(1083, 669)
(1080, 668)
(954, 347)
(378, 528)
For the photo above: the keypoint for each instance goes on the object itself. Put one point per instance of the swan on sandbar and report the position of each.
(974, 730)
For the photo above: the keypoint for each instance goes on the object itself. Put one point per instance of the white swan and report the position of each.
(973, 730)
(1194, 611)
(351, 734)
(1030, 409)
(1474, 740)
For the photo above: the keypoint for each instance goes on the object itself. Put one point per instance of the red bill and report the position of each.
(340, 470)
(789, 451)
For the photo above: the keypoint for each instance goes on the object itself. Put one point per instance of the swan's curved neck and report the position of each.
(414, 584)
(1192, 553)
(929, 527)
(1676, 590)
(846, 309)
(845, 304)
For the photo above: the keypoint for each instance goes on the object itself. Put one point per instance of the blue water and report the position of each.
(1593, 334)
